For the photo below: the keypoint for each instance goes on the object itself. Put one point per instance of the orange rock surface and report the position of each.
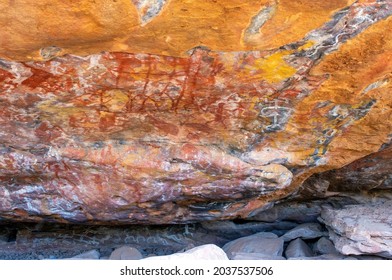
(171, 111)
(86, 27)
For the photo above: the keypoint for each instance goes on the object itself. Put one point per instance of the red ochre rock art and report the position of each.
(118, 137)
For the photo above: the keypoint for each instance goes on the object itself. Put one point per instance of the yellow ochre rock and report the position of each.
(38, 30)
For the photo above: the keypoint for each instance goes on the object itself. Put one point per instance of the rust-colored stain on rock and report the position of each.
(169, 111)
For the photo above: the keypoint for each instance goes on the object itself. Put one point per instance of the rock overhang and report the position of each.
(171, 137)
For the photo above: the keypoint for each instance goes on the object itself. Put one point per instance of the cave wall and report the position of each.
(181, 111)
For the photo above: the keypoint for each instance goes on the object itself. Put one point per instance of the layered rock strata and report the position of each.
(116, 137)
(361, 229)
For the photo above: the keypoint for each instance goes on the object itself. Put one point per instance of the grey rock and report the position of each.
(65, 241)
(300, 212)
(290, 211)
(305, 231)
(324, 246)
(325, 257)
(255, 256)
(369, 258)
(204, 252)
(90, 255)
(361, 229)
(315, 187)
(233, 230)
(350, 258)
(298, 249)
(125, 253)
(263, 243)
(4, 235)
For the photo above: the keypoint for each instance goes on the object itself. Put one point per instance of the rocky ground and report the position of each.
(335, 228)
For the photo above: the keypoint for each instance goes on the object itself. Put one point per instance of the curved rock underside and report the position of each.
(195, 110)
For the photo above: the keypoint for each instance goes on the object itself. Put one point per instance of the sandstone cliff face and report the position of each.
(192, 111)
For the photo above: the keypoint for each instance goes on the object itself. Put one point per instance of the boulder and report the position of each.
(126, 253)
(304, 231)
(364, 229)
(324, 246)
(264, 243)
(204, 252)
(298, 249)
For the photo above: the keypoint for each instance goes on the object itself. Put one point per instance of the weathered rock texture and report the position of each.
(265, 243)
(361, 181)
(371, 173)
(298, 249)
(45, 28)
(45, 241)
(304, 231)
(361, 229)
(168, 131)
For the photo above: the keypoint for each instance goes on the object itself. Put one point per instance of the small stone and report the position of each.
(255, 256)
(126, 253)
(204, 252)
(298, 249)
(265, 243)
(324, 246)
(304, 231)
(89, 255)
